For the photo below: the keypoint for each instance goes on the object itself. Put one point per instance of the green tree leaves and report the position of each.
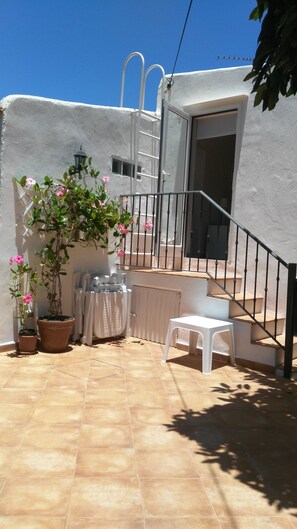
(274, 70)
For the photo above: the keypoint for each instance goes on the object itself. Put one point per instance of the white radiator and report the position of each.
(101, 315)
(151, 310)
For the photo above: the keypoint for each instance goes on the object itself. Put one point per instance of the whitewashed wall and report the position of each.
(265, 186)
(39, 137)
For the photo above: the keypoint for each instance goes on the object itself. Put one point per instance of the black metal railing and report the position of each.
(189, 231)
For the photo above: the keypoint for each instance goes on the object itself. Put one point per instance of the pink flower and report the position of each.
(105, 179)
(122, 229)
(27, 299)
(61, 191)
(101, 203)
(121, 253)
(17, 259)
(30, 182)
(148, 225)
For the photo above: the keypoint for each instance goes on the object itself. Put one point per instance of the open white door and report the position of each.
(174, 149)
(173, 170)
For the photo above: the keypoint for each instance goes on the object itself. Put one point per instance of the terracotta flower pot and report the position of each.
(55, 333)
(27, 342)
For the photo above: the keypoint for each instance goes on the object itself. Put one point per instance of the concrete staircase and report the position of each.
(252, 341)
(263, 349)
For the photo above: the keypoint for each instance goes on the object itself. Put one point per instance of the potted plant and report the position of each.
(23, 285)
(66, 212)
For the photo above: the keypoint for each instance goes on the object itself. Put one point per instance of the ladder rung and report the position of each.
(148, 155)
(149, 135)
(149, 175)
(152, 117)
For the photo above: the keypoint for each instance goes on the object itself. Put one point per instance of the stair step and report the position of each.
(257, 333)
(235, 309)
(223, 281)
(268, 342)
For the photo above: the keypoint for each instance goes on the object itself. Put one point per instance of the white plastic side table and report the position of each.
(207, 327)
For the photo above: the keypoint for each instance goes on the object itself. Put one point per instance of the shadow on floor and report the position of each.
(249, 433)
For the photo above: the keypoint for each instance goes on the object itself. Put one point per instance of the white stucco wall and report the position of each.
(40, 137)
(265, 185)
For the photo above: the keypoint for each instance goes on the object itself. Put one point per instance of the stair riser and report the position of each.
(236, 310)
(280, 355)
(213, 288)
(257, 333)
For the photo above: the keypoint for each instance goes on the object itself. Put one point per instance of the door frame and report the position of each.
(238, 103)
(166, 108)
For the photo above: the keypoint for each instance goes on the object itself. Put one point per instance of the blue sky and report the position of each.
(74, 49)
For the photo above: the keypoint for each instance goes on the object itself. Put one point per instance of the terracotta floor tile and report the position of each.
(15, 413)
(293, 521)
(198, 444)
(182, 385)
(235, 498)
(31, 522)
(149, 415)
(11, 434)
(98, 461)
(175, 497)
(106, 498)
(97, 395)
(62, 397)
(106, 436)
(182, 523)
(81, 350)
(61, 436)
(111, 357)
(133, 363)
(104, 370)
(78, 370)
(57, 414)
(19, 396)
(104, 415)
(157, 436)
(270, 463)
(65, 381)
(165, 464)
(99, 523)
(6, 371)
(117, 381)
(166, 373)
(26, 382)
(193, 400)
(233, 416)
(149, 398)
(82, 361)
(33, 462)
(32, 370)
(7, 455)
(140, 373)
(106, 366)
(255, 522)
(223, 464)
(134, 385)
(35, 497)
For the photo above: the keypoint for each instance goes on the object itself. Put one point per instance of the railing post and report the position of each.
(291, 304)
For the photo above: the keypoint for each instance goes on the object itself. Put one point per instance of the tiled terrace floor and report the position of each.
(106, 437)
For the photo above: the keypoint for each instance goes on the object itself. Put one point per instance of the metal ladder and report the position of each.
(146, 131)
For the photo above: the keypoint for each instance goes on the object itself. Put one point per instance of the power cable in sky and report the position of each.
(170, 82)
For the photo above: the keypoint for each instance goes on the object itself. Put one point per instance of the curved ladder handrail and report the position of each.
(152, 67)
(141, 89)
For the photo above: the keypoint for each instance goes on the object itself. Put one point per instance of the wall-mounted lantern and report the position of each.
(79, 160)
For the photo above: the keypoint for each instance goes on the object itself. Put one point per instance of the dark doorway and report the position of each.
(211, 170)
